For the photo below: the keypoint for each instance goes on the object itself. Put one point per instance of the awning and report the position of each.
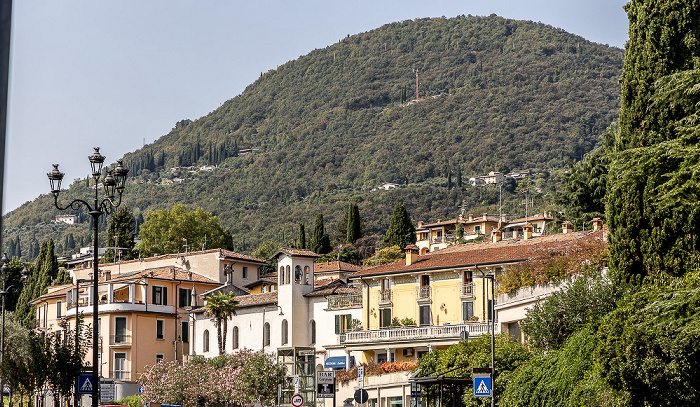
(338, 362)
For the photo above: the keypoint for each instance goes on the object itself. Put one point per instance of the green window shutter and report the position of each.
(165, 295)
(490, 314)
(153, 295)
(348, 321)
(467, 310)
(337, 324)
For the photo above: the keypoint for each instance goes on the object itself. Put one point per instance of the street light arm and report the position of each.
(75, 204)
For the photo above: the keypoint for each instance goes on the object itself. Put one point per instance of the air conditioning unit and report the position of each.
(408, 352)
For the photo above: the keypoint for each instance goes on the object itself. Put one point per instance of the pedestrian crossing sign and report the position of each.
(482, 385)
(85, 384)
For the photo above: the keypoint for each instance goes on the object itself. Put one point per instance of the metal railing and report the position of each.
(121, 375)
(385, 297)
(424, 293)
(424, 332)
(467, 290)
(344, 301)
(120, 339)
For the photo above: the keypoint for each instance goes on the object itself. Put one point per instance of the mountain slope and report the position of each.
(495, 94)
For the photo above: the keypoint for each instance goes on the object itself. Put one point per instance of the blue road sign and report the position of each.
(141, 390)
(482, 385)
(85, 383)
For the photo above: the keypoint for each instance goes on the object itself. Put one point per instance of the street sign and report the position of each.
(361, 377)
(296, 384)
(325, 390)
(107, 390)
(85, 383)
(416, 390)
(361, 396)
(325, 377)
(297, 400)
(141, 390)
(482, 385)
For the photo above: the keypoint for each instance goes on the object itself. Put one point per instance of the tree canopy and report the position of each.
(120, 233)
(168, 231)
(401, 231)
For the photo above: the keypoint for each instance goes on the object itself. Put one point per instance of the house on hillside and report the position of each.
(439, 235)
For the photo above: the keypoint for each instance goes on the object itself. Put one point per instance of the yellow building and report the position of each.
(433, 300)
(441, 234)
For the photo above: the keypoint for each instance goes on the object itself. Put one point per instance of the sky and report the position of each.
(115, 74)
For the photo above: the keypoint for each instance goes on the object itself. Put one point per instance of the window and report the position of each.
(307, 274)
(120, 365)
(159, 357)
(235, 337)
(425, 317)
(288, 275)
(119, 329)
(184, 297)
(313, 331)
(297, 274)
(159, 295)
(205, 341)
(185, 331)
(245, 272)
(264, 288)
(266, 334)
(384, 317)
(477, 229)
(160, 329)
(382, 357)
(59, 305)
(467, 310)
(285, 332)
(343, 323)
(281, 276)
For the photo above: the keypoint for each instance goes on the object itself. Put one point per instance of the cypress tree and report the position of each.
(401, 231)
(320, 242)
(354, 228)
(651, 205)
(302, 237)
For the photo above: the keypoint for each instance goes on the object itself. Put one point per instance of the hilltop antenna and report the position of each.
(416, 71)
(526, 204)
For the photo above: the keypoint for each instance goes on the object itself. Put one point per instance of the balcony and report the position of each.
(119, 340)
(415, 334)
(344, 301)
(121, 375)
(424, 293)
(467, 290)
(385, 297)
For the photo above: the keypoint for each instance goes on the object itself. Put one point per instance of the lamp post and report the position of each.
(113, 182)
(76, 396)
(4, 270)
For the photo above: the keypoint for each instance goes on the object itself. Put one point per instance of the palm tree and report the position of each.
(220, 308)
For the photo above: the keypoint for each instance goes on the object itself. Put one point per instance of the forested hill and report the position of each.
(495, 94)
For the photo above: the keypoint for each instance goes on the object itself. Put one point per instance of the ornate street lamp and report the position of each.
(112, 183)
(3, 275)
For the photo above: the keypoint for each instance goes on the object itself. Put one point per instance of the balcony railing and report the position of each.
(385, 297)
(425, 332)
(120, 339)
(424, 293)
(121, 375)
(344, 301)
(467, 290)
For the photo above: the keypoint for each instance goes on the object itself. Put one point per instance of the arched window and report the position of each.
(288, 276)
(307, 275)
(281, 276)
(285, 332)
(266, 334)
(312, 324)
(205, 340)
(235, 337)
(297, 274)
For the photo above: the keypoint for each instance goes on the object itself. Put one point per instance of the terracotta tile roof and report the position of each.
(456, 221)
(329, 266)
(484, 253)
(537, 216)
(260, 281)
(336, 287)
(226, 253)
(59, 292)
(295, 252)
(252, 300)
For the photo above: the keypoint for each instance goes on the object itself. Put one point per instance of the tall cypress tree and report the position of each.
(354, 227)
(320, 242)
(401, 231)
(302, 237)
(651, 205)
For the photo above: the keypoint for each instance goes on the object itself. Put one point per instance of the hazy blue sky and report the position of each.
(110, 74)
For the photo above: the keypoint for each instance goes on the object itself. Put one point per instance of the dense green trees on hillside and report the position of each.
(121, 234)
(401, 231)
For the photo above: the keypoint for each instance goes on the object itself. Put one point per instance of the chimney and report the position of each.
(411, 254)
(108, 275)
(471, 217)
(597, 224)
(461, 216)
(420, 224)
(496, 235)
(567, 227)
(504, 218)
(484, 216)
(527, 231)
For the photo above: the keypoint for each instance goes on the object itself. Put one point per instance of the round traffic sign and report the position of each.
(297, 400)
(361, 396)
